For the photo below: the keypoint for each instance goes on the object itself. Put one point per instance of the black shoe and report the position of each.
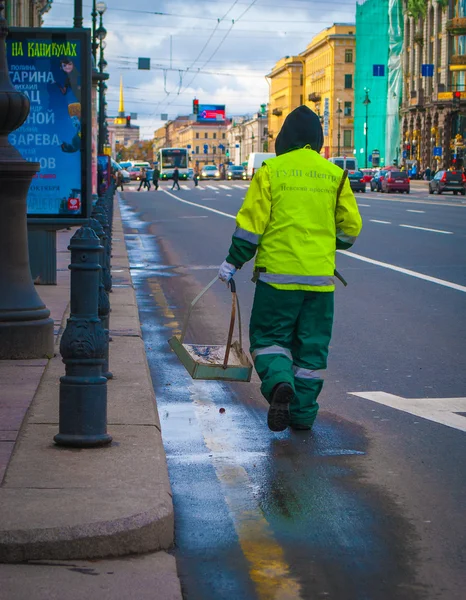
(278, 417)
(300, 427)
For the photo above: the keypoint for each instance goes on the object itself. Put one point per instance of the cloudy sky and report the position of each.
(215, 50)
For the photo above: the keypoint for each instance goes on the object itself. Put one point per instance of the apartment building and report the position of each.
(434, 95)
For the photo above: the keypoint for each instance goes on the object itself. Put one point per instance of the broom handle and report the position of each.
(232, 322)
(190, 309)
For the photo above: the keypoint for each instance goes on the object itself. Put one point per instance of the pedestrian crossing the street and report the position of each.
(216, 188)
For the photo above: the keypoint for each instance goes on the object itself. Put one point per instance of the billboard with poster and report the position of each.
(210, 113)
(52, 67)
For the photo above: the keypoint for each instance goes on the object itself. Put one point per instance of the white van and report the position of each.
(255, 162)
(345, 162)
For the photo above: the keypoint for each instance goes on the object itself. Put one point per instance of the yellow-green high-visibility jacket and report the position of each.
(292, 218)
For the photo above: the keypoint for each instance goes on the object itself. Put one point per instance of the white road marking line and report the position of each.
(238, 187)
(439, 410)
(194, 217)
(415, 211)
(449, 284)
(454, 286)
(211, 187)
(427, 229)
(245, 187)
(219, 212)
(185, 187)
(224, 187)
(228, 195)
(363, 204)
(384, 222)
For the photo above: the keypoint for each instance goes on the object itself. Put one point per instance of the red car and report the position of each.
(135, 173)
(395, 181)
(368, 175)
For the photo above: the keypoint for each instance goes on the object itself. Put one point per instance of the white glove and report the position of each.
(226, 271)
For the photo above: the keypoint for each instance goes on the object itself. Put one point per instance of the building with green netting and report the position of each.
(378, 82)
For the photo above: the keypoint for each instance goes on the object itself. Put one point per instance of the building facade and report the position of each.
(329, 85)
(434, 94)
(285, 94)
(372, 48)
(246, 135)
(206, 142)
(26, 13)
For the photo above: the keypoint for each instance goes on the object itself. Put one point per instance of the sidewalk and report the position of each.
(62, 504)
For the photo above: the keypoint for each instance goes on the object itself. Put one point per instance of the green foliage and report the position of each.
(417, 8)
(443, 3)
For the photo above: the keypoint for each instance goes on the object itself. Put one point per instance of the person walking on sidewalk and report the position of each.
(156, 177)
(144, 182)
(298, 210)
(196, 177)
(119, 180)
(176, 179)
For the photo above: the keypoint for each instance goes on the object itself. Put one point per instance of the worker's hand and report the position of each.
(226, 271)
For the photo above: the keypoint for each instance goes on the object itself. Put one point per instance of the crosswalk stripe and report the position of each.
(211, 187)
(185, 187)
(224, 187)
(238, 187)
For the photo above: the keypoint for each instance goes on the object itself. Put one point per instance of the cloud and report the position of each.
(197, 51)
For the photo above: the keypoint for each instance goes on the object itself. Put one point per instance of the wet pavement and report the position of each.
(367, 506)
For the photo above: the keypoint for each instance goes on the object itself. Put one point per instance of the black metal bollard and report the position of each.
(98, 213)
(104, 302)
(83, 389)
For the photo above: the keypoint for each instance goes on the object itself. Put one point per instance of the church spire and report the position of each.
(121, 108)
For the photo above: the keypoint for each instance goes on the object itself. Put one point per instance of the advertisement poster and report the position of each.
(211, 112)
(51, 66)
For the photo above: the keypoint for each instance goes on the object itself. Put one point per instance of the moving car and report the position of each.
(210, 172)
(395, 181)
(448, 181)
(135, 173)
(356, 179)
(234, 172)
(255, 161)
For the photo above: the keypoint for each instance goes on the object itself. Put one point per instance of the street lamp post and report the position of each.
(366, 125)
(101, 34)
(339, 114)
(26, 329)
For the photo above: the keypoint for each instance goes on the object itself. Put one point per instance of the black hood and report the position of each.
(301, 128)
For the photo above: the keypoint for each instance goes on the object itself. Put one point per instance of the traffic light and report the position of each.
(128, 121)
(227, 153)
(195, 106)
(456, 100)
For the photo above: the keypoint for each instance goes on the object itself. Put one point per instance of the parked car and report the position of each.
(368, 174)
(210, 172)
(135, 173)
(395, 181)
(448, 181)
(356, 179)
(344, 162)
(234, 172)
(376, 181)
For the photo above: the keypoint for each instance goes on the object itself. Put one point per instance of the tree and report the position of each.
(141, 150)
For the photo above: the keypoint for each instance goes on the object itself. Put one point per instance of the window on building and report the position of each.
(301, 79)
(347, 111)
(300, 98)
(214, 149)
(347, 138)
(348, 82)
(348, 56)
(215, 136)
(197, 135)
(206, 135)
(197, 149)
(223, 136)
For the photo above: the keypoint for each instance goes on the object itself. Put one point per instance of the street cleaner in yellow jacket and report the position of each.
(298, 211)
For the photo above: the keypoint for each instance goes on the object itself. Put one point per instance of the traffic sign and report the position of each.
(405, 154)
(427, 70)
(206, 148)
(437, 151)
(378, 70)
(369, 158)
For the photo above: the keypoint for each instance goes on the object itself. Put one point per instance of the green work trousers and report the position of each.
(290, 332)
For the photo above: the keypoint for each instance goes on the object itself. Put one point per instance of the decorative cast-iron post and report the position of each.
(83, 390)
(104, 302)
(26, 329)
(99, 214)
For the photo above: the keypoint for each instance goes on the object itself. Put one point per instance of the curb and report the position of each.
(60, 503)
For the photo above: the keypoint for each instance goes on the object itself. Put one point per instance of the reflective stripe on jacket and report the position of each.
(292, 214)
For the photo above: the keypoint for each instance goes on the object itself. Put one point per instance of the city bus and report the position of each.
(169, 158)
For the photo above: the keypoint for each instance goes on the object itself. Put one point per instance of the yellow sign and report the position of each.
(449, 96)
